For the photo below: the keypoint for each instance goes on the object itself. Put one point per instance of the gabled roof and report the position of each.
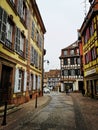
(71, 46)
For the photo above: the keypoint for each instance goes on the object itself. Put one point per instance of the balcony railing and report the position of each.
(8, 44)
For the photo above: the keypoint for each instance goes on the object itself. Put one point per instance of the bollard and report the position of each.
(4, 116)
(36, 101)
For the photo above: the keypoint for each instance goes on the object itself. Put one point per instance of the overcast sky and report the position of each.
(61, 18)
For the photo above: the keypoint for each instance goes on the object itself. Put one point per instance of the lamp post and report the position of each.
(36, 94)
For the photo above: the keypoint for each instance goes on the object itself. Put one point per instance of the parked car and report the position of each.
(46, 90)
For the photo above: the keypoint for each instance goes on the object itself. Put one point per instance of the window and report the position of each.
(77, 51)
(86, 58)
(21, 45)
(40, 62)
(20, 80)
(93, 53)
(35, 58)
(65, 52)
(71, 52)
(24, 11)
(91, 28)
(13, 2)
(32, 81)
(26, 48)
(77, 72)
(9, 31)
(72, 72)
(78, 61)
(17, 40)
(3, 23)
(65, 62)
(72, 61)
(33, 29)
(65, 72)
(20, 8)
(68, 61)
(32, 55)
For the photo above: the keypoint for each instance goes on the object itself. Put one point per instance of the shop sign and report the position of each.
(90, 72)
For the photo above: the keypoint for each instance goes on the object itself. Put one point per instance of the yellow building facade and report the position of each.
(89, 35)
(21, 50)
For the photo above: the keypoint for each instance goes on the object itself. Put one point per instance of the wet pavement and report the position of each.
(56, 111)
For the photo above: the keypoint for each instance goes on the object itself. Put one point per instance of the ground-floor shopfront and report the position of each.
(91, 86)
(76, 85)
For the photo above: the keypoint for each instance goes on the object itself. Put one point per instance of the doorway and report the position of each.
(6, 81)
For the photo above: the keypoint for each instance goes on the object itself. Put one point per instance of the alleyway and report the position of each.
(56, 111)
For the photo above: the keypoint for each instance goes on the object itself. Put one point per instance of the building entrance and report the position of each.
(6, 81)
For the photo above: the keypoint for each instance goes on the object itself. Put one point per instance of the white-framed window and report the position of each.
(65, 52)
(68, 61)
(65, 72)
(71, 52)
(21, 43)
(3, 23)
(20, 80)
(12, 1)
(72, 72)
(9, 31)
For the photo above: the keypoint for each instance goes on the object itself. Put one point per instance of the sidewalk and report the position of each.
(24, 109)
(89, 110)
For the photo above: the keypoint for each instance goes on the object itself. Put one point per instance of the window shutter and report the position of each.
(28, 18)
(16, 81)
(3, 23)
(17, 40)
(26, 48)
(30, 83)
(38, 83)
(20, 8)
(34, 83)
(25, 80)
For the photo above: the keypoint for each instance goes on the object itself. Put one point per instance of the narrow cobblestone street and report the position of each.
(56, 111)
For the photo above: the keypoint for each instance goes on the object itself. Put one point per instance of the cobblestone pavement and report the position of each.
(63, 112)
(89, 110)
